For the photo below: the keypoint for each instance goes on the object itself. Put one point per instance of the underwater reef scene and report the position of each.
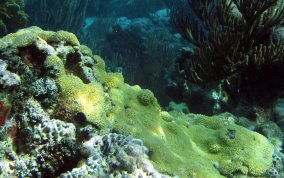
(141, 88)
(69, 117)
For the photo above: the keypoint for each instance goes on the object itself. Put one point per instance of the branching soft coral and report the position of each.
(234, 35)
(233, 40)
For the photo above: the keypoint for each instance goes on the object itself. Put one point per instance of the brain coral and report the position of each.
(185, 145)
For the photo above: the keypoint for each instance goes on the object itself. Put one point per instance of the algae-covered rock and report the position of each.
(183, 145)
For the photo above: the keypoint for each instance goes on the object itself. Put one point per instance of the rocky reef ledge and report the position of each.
(63, 115)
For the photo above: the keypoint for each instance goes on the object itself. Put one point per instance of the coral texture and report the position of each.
(114, 155)
(91, 104)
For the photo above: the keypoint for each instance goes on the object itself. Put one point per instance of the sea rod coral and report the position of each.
(236, 41)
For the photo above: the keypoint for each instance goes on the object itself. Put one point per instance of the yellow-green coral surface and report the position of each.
(183, 145)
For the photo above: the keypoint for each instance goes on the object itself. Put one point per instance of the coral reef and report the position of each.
(74, 133)
(114, 155)
(135, 37)
(143, 49)
(51, 144)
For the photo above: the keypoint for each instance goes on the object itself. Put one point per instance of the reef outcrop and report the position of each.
(71, 118)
